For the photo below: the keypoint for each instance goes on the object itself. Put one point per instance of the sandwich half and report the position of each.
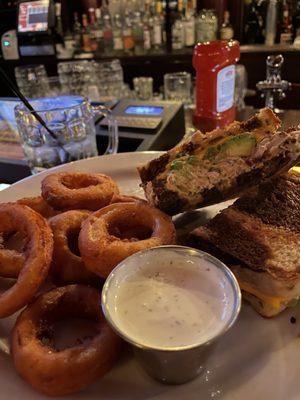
(258, 237)
(220, 165)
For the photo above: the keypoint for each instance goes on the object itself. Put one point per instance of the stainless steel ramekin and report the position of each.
(174, 365)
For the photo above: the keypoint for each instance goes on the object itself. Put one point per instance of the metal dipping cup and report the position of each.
(171, 365)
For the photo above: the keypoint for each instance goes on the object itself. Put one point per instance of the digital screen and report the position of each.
(33, 16)
(144, 110)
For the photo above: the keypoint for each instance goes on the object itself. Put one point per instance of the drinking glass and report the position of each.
(177, 86)
(32, 80)
(110, 80)
(71, 120)
(143, 87)
(241, 82)
(77, 77)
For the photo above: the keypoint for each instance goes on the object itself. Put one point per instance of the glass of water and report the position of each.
(71, 121)
(177, 87)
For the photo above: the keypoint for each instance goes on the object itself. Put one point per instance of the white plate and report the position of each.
(258, 359)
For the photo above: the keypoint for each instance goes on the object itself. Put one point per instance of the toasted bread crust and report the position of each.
(171, 200)
(172, 203)
(260, 230)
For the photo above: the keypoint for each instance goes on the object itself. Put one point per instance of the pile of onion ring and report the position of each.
(70, 238)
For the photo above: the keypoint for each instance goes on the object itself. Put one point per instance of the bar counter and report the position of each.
(13, 166)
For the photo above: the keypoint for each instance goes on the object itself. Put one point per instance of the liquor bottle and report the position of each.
(253, 28)
(296, 22)
(271, 23)
(157, 27)
(147, 28)
(206, 26)
(226, 31)
(99, 31)
(69, 41)
(178, 39)
(127, 34)
(59, 37)
(86, 38)
(117, 33)
(138, 33)
(189, 25)
(286, 28)
(108, 35)
(77, 32)
(93, 30)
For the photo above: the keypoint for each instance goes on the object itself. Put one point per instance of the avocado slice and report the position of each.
(237, 146)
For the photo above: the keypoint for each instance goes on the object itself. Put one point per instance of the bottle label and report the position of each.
(98, 34)
(157, 35)
(225, 88)
(286, 38)
(189, 34)
(226, 33)
(118, 43)
(147, 39)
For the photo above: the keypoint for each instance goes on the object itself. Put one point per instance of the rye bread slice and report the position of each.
(261, 230)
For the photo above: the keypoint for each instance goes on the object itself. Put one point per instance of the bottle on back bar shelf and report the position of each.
(253, 25)
(226, 31)
(77, 32)
(99, 31)
(117, 33)
(271, 23)
(59, 37)
(189, 25)
(128, 40)
(147, 26)
(86, 38)
(138, 33)
(108, 35)
(296, 22)
(157, 39)
(206, 26)
(93, 29)
(178, 38)
(286, 28)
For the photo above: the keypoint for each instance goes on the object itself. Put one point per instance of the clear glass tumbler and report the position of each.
(110, 80)
(77, 77)
(71, 121)
(177, 87)
(143, 87)
(32, 80)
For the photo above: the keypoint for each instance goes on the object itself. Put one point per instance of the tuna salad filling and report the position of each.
(220, 165)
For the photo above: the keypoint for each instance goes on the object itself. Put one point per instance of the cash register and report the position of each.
(36, 22)
(146, 125)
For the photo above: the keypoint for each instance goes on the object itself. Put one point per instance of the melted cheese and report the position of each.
(274, 301)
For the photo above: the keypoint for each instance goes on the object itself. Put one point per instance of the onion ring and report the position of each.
(117, 231)
(57, 373)
(67, 265)
(38, 254)
(11, 255)
(75, 190)
(39, 205)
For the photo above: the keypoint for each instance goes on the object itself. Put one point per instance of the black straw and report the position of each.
(19, 94)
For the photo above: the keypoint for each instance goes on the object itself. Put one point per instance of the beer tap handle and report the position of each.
(273, 87)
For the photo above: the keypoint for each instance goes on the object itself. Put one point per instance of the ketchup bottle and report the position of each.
(215, 83)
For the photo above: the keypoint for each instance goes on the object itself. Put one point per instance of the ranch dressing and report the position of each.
(170, 301)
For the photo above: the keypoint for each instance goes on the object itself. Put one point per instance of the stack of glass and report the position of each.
(32, 80)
